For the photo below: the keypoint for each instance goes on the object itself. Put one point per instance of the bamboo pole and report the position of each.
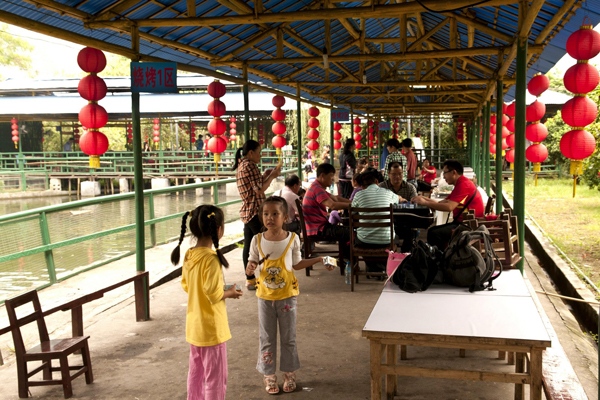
(499, 118)
(441, 83)
(486, 147)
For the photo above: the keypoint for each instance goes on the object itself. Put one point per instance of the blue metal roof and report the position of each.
(222, 40)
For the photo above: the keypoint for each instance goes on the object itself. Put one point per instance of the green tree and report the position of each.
(14, 52)
(556, 81)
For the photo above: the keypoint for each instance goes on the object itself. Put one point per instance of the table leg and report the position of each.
(501, 355)
(511, 358)
(520, 367)
(403, 352)
(390, 380)
(77, 323)
(535, 370)
(376, 354)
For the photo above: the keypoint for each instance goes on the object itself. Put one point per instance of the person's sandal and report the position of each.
(271, 384)
(289, 382)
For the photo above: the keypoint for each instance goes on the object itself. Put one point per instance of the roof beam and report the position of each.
(463, 82)
(414, 92)
(191, 8)
(480, 26)
(373, 11)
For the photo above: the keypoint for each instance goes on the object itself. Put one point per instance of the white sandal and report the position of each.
(289, 383)
(271, 384)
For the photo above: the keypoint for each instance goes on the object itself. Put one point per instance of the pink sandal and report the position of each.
(271, 384)
(289, 382)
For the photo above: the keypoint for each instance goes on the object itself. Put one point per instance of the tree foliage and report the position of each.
(556, 81)
(14, 51)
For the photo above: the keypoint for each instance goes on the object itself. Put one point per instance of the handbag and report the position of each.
(349, 172)
(394, 260)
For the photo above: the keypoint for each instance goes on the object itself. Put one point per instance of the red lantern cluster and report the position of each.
(509, 131)
(193, 132)
(313, 124)
(357, 130)
(129, 133)
(15, 131)
(261, 134)
(536, 132)
(460, 131)
(278, 127)
(395, 129)
(337, 136)
(580, 111)
(371, 128)
(92, 116)
(156, 131)
(216, 126)
(232, 131)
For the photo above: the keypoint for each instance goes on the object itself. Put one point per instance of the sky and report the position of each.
(55, 58)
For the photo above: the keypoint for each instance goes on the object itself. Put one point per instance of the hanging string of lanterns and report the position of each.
(92, 116)
(278, 127)
(580, 111)
(357, 130)
(261, 134)
(193, 132)
(15, 131)
(313, 124)
(216, 126)
(129, 133)
(510, 138)
(337, 136)
(460, 133)
(536, 132)
(156, 131)
(371, 131)
(232, 131)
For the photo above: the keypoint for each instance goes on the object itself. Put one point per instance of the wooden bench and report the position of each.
(505, 239)
(141, 284)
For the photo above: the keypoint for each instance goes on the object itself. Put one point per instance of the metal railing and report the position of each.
(29, 250)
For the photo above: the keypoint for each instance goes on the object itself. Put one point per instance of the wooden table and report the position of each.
(494, 321)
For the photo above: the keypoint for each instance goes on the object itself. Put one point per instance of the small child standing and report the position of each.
(277, 288)
(206, 326)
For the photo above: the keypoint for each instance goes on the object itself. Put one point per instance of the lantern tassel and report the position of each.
(94, 161)
(574, 185)
(217, 158)
(536, 179)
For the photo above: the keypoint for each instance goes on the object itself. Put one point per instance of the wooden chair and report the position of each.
(309, 240)
(505, 239)
(46, 351)
(489, 206)
(383, 219)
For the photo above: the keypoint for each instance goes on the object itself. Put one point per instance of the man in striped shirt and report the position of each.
(393, 146)
(315, 204)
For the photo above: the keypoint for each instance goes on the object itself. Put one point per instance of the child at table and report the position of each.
(274, 255)
(334, 216)
(207, 328)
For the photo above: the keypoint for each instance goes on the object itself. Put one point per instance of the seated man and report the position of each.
(464, 196)
(315, 204)
(406, 192)
(373, 196)
(290, 194)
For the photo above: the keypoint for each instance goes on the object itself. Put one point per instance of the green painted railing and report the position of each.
(40, 242)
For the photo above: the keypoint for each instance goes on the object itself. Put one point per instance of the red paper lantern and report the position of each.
(337, 145)
(357, 129)
(156, 139)
(493, 119)
(313, 134)
(492, 129)
(371, 123)
(493, 139)
(15, 139)
(278, 114)
(371, 137)
(233, 138)
(232, 125)
(584, 44)
(216, 108)
(357, 138)
(15, 132)
(93, 143)
(313, 112)
(505, 132)
(278, 128)
(370, 143)
(91, 60)
(538, 85)
(493, 148)
(510, 140)
(92, 88)
(356, 121)
(156, 127)
(337, 126)
(581, 78)
(278, 142)
(505, 119)
(504, 144)
(278, 101)
(156, 121)
(13, 121)
(536, 153)
(232, 131)
(313, 145)
(577, 144)
(216, 145)
(313, 123)
(358, 145)
(510, 156)
(535, 111)
(216, 127)
(536, 132)
(93, 116)
(337, 135)
(216, 89)
(510, 109)
(371, 130)
(579, 111)
(510, 125)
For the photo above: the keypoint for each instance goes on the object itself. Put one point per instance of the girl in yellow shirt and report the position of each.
(276, 254)
(206, 327)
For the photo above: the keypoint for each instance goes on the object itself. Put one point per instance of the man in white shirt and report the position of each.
(290, 194)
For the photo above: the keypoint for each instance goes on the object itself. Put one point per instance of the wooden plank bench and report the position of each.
(141, 284)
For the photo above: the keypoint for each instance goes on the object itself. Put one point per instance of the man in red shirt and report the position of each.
(464, 196)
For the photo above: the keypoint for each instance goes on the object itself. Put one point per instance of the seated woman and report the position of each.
(370, 197)
(428, 174)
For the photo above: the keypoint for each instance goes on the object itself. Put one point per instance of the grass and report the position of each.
(572, 223)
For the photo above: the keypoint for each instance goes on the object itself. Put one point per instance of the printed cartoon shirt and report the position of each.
(276, 279)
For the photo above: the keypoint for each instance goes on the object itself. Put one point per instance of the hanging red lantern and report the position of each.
(510, 140)
(492, 148)
(15, 131)
(580, 111)
(337, 126)
(577, 145)
(358, 145)
(357, 138)
(356, 121)
(510, 156)
(538, 84)
(91, 60)
(94, 144)
(493, 139)
(505, 132)
(510, 109)
(493, 129)
(337, 135)
(537, 154)
(216, 127)
(278, 128)
(278, 114)
(92, 88)
(493, 119)
(216, 89)
(536, 132)
(535, 111)
(217, 145)
(278, 101)
(504, 144)
(313, 134)
(581, 78)
(357, 129)
(313, 123)
(337, 145)
(313, 112)
(216, 108)
(313, 145)
(278, 142)
(510, 125)
(584, 43)
(505, 119)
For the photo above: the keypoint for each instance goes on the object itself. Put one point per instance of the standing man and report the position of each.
(393, 147)
(464, 196)
(69, 145)
(411, 162)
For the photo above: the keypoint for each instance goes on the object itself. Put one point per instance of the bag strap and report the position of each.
(464, 208)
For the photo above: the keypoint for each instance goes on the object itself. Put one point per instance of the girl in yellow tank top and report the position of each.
(277, 253)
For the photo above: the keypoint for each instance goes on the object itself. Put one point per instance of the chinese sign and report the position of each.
(384, 126)
(153, 77)
(340, 115)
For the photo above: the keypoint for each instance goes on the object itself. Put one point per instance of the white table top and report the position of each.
(510, 283)
(503, 317)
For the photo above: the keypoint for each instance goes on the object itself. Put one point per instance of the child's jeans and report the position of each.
(207, 378)
(269, 312)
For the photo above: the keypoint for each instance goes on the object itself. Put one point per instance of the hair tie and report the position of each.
(189, 213)
(216, 247)
(211, 215)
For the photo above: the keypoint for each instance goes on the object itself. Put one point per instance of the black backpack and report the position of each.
(464, 264)
(418, 270)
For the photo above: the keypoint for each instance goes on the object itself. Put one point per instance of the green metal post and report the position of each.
(519, 165)
(470, 145)
(246, 107)
(152, 216)
(48, 253)
(486, 148)
(331, 136)
(140, 243)
(499, 123)
(476, 149)
(299, 132)
(22, 167)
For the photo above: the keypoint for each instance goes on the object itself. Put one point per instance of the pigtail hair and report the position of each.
(215, 239)
(238, 157)
(175, 254)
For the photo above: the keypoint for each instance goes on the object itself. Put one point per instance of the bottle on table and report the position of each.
(348, 274)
